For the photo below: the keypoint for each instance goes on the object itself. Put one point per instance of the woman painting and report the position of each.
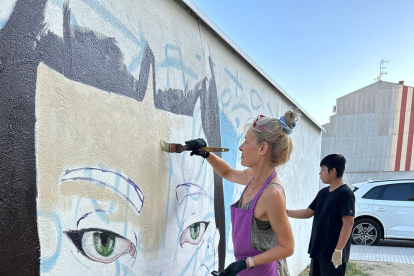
(262, 235)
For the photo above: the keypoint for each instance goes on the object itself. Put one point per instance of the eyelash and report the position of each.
(100, 245)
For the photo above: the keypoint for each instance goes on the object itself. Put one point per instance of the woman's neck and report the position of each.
(262, 172)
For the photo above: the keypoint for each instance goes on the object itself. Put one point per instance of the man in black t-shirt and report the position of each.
(333, 209)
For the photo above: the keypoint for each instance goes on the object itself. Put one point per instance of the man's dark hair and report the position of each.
(336, 161)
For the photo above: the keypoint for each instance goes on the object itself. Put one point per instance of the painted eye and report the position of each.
(101, 245)
(194, 233)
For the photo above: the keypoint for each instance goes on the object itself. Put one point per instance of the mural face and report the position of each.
(102, 199)
(89, 194)
(86, 101)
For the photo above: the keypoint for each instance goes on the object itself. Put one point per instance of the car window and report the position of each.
(411, 197)
(397, 192)
(373, 193)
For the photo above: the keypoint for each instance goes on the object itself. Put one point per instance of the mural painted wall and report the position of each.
(88, 90)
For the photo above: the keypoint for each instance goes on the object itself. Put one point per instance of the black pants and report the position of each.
(326, 269)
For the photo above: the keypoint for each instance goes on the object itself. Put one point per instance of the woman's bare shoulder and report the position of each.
(277, 182)
(274, 192)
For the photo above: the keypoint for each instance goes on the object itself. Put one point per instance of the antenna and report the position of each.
(381, 72)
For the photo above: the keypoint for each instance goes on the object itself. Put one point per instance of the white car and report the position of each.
(383, 210)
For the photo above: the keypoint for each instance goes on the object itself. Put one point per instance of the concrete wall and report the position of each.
(374, 131)
(88, 90)
(352, 178)
(362, 128)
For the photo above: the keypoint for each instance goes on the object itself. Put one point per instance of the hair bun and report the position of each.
(286, 128)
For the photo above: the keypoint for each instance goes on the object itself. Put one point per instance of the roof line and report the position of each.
(203, 17)
(370, 85)
(396, 83)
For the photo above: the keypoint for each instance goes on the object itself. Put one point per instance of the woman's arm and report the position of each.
(275, 209)
(227, 172)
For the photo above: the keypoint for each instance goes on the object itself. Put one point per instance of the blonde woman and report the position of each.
(262, 235)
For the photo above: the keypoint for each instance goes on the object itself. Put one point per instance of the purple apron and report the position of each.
(242, 224)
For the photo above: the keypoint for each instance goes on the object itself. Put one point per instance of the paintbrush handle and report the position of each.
(213, 149)
(178, 148)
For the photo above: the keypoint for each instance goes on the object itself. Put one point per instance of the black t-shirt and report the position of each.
(329, 209)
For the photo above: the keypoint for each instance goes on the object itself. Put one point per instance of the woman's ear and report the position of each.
(263, 148)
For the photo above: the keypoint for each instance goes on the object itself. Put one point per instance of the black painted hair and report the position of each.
(336, 161)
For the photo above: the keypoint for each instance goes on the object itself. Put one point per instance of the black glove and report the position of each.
(233, 269)
(195, 145)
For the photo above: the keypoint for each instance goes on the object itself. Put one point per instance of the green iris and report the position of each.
(195, 230)
(104, 243)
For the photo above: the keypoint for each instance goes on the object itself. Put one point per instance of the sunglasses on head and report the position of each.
(258, 126)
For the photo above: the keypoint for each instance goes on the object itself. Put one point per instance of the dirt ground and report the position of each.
(389, 269)
(378, 269)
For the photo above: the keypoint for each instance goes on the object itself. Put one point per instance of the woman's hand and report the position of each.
(233, 269)
(221, 167)
(195, 145)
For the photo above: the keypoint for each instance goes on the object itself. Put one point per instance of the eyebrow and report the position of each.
(120, 184)
(87, 214)
(188, 189)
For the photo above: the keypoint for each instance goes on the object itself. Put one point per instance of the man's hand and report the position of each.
(337, 258)
(233, 269)
(195, 145)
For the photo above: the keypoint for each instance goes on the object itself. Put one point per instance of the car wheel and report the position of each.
(365, 232)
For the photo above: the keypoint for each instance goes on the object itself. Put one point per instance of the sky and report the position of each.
(321, 50)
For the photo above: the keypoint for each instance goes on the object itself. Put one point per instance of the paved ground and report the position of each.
(391, 251)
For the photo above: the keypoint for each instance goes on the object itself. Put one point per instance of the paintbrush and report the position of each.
(178, 148)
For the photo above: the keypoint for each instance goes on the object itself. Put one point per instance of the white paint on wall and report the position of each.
(406, 129)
